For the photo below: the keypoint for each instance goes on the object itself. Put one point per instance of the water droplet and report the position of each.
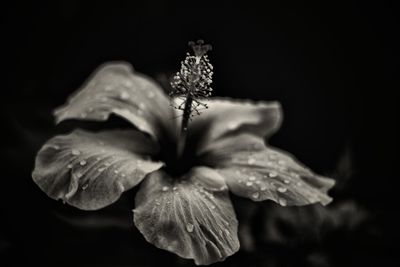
(56, 147)
(282, 201)
(252, 178)
(124, 95)
(263, 188)
(286, 181)
(282, 189)
(101, 169)
(83, 162)
(212, 207)
(189, 227)
(123, 175)
(151, 95)
(249, 183)
(258, 182)
(116, 171)
(85, 186)
(158, 203)
(232, 126)
(78, 174)
(121, 187)
(69, 166)
(273, 174)
(165, 188)
(251, 161)
(255, 195)
(175, 188)
(142, 105)
(299, 184)
(75, 152)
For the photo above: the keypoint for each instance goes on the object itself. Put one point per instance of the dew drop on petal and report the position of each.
(263, 188)
(299, 184)
(69, 166)
(142, 105)
(124, 95)
(286, 181)
(75, 152)
(255, 195)
(78, 174)
(212, 207)
(165, 188)
(249, 183)
(189, 227)
(251, 161)
(282, 189)
(273, 174)
(116, 171)
(56, 147)
(121, 187)
(82, 162)
(232, 126)
(85, 186)
(175, 188)
(252, 178)
(282, 201)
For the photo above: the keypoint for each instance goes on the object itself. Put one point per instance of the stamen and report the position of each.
(192, 83)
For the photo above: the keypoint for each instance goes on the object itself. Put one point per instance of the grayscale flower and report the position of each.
(183, 203)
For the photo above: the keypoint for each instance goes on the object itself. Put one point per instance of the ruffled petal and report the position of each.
(192, 217)
(227, 116)
(116, 88)
(259, 172)
(92, 170)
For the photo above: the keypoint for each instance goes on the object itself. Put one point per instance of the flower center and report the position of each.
(191, 84)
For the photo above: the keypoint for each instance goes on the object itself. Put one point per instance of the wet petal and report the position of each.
(259, 172)
(116, 88)
(225, 116)
(91, 170)
(192, 217)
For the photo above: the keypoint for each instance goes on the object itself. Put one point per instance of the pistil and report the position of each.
(192, 84)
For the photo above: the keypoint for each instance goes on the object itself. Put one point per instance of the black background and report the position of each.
(332, 66)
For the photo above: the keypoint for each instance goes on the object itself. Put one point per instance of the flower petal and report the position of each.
(256, 171)
(116, 88)
(91, 170)
(224, 116)
(192, 217)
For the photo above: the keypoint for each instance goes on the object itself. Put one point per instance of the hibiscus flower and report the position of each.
(186, 162)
